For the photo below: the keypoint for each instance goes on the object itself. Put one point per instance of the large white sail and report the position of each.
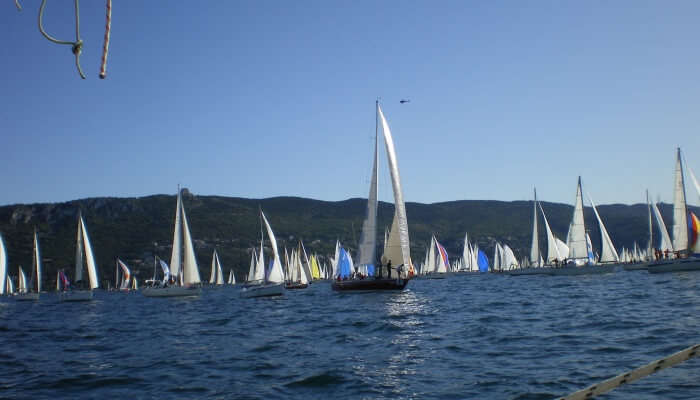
(22, 281)
(79, 251)
(666, 243)
(37, 262)
(176, 257)
(650, 244)
(466, 255)
(535, 249)
(552, 248)
(509, 259)
(431, 257)
(251, 270)
(89, 257)
(608, 252)
(577, 230)
(275, 275)
(260, 264)
(368, 238)
(216, 268)
(190, 270)
(680, 213)
(400, 213)
(3, 265)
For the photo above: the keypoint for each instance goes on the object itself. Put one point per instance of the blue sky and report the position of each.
(269, 98)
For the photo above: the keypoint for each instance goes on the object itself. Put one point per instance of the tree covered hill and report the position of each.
(134, 229)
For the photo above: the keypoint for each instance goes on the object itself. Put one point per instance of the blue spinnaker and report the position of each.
(483, 262)
(343, 264)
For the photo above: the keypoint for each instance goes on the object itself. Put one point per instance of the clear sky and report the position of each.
(269, 98)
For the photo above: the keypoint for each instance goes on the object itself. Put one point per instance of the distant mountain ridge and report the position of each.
(133, 229)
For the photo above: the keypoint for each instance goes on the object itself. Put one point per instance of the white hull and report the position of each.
(171, 291)
(75, 295)
(263, 290)
(27, 296)
(678, 265)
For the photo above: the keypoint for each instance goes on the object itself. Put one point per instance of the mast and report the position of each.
(535, 250)
(651, 237)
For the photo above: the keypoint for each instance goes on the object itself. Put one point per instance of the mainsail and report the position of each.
(680, 220)
(368, 238)
(577, 231)
(275, 274)
(552, 248)
(400, 223)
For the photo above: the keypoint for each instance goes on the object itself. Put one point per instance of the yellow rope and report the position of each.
(77, 46)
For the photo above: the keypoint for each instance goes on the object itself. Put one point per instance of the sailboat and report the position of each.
(231, 278)
(297, 277)
(578, 258)
(397, 251)
(81, 290)
(31, 290)
(184, 272)
(217, 274)
(537, 266)
(650, 244)
(683, 260)
(123, 272)
(272, 283)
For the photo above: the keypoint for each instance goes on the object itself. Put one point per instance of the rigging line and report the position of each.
(631, 376)
(105, 48)
(77, 46)
(19, 6)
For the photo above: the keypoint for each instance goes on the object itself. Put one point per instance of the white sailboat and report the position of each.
(231, 278)
(273, 281)
(680, 258)
(217, 275)
(81, 290)
(578, 255)
(34, 287)
(184, 273)
(397, 256)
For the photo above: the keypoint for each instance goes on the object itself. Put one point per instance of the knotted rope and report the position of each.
(105, 48)
(77, 46)
(631, 376)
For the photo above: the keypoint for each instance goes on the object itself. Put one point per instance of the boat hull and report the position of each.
(75, 295)
(369, 285)
(678, 265)
(583, 270)
(296, 286)
(171, 291)
(33, 296)
(269, 290)
(529, 271)
(636, 266)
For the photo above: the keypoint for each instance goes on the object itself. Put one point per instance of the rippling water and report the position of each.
(469, 336)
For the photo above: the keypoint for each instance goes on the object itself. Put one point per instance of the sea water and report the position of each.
(482, 336)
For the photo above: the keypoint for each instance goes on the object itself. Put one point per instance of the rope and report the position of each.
(631, 376)
(105, 48)
(77, 46)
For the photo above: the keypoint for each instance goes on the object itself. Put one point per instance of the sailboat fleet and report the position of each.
(391, 270)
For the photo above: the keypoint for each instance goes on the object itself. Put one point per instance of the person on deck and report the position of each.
(388, 269)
